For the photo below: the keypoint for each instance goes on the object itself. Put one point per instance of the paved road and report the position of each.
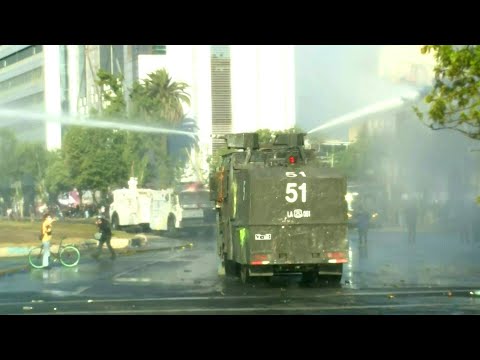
(437, 275)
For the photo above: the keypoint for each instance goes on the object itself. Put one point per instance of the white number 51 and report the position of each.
(292, 194)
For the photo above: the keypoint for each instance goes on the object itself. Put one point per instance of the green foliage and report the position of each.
(113, 100)
(266, 136)
(8, 164)
(22, 168)
(158, 99)
(57, 177)
(92, 157)
(358, 158)
(215, 160)
(454, 100)
(32, 160)
(97, 159)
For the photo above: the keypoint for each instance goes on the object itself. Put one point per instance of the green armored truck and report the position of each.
(278, 212)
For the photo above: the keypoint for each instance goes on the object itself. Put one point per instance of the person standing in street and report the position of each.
(46, 237)
(363, 223)
(411, 220)
(105, 231)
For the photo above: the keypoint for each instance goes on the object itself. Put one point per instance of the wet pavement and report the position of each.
(437, 275)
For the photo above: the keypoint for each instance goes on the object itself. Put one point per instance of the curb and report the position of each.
(117, 243)
(13, 270)
(127, 252)
(120, 252)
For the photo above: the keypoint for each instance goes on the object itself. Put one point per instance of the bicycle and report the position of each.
(68, 255)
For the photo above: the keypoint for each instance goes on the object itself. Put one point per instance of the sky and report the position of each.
(332, 80)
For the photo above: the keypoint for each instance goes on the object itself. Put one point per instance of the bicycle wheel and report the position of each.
(69, 256)
(35, 257)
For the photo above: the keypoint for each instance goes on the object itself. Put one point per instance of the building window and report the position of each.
(35, 100)
(221, 51)
(118, 63)
(159, 49)
(20, 55)
(82, 73)
(111, 58)
(37, 49)
(106, 58)
(64, 78)
(221, 93)
(29, 78)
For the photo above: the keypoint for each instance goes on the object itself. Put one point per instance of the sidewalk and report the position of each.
(16, 260)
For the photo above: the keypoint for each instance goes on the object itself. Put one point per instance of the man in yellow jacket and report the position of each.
(46, 237)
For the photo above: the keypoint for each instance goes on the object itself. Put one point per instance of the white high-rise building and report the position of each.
(233, 88)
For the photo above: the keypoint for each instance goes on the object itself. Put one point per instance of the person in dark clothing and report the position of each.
(105, 237)
(411, 220)
(363, 221)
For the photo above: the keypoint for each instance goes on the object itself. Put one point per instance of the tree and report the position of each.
(21, 169)
(98, 158)
(357, 160)
(266, 135)
(93, 158)
(159, 99)
(8, 165)
(113, 100)
(454, 100)
(57, 176)
(32, 165)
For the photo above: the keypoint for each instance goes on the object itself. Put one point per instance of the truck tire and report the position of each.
(230, 267)
(309, 277)
(336, 279)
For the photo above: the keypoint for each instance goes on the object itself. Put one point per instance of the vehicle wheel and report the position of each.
(335, 279)
(244, 274)
(115, 222)
(229, 267)
(35, 257)
(309, 277)
(69, 256)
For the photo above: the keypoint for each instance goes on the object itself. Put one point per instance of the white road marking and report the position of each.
(241, 297)
(259, 309)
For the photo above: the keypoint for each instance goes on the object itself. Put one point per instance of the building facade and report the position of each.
(34, 86)
(233, 88)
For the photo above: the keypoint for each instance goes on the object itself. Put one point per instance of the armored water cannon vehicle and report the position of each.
(277, 212)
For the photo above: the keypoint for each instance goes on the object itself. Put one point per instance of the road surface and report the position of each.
(437, 275)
